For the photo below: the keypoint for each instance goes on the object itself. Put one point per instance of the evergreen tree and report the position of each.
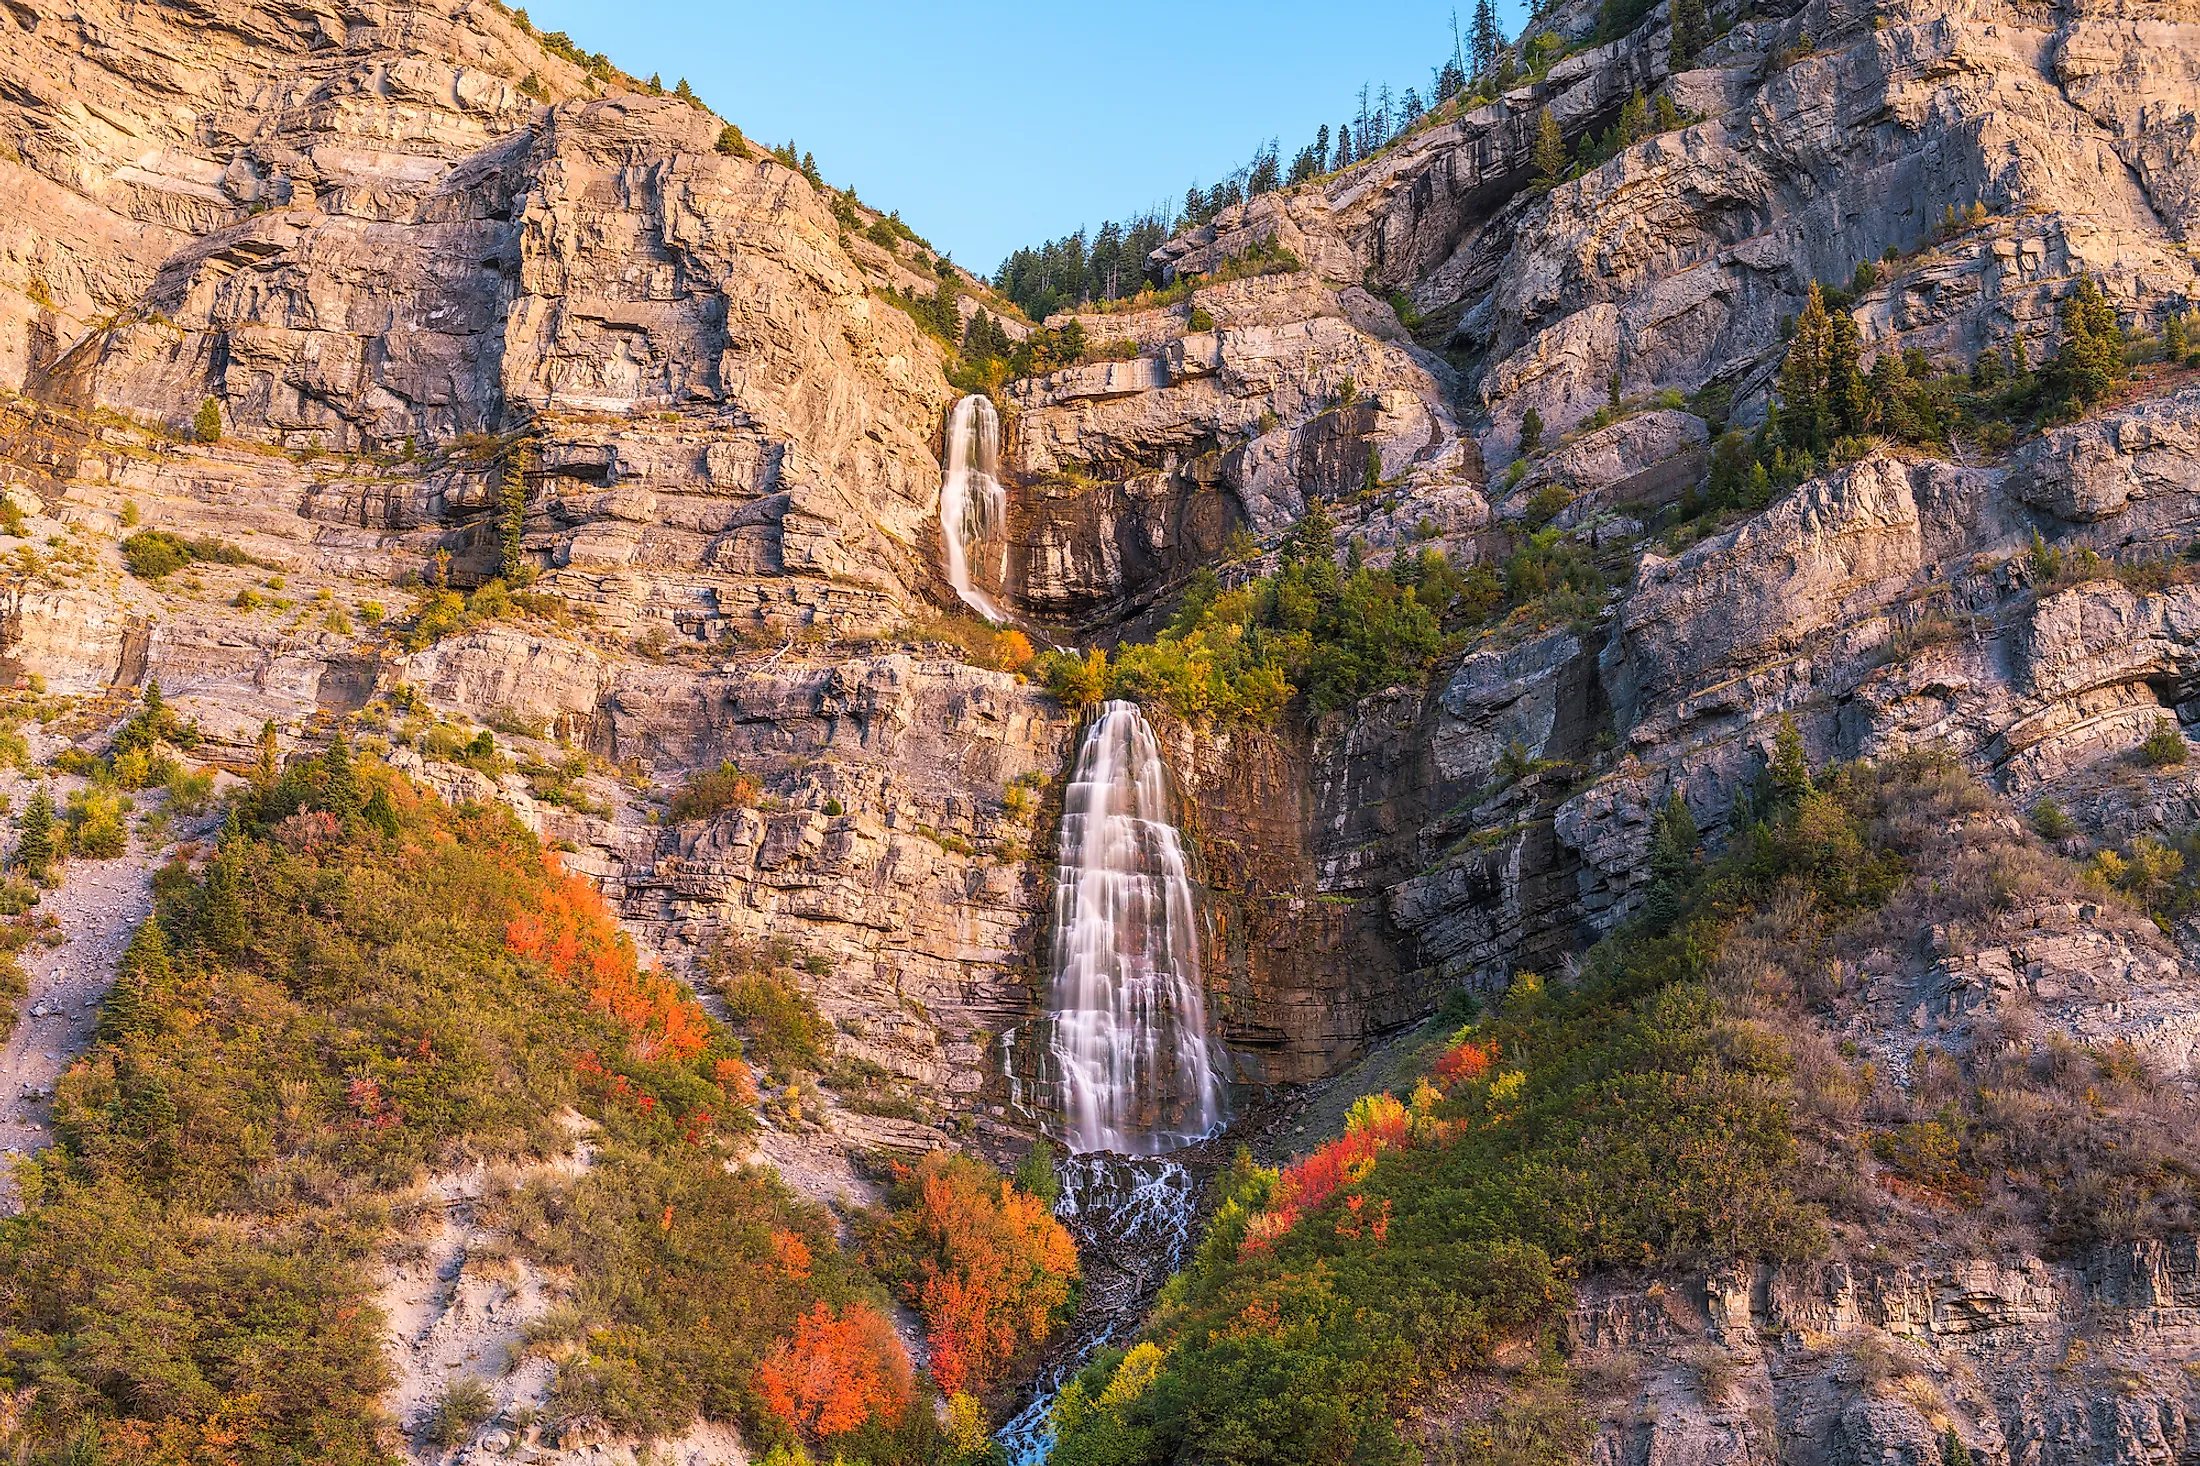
(1371, 479)
(1531, 432)
(1851, 401)
(381, 813)
(36, 849)
(2089, 361)
(339, 781)
(1344, 147)
(1805, 408)
(2173, 338)
(1789, 771)
(1691, 31)
(1634, 120)
(809, 171)
(1549, 155)
(1672, 863)
(222, 923)
(145, 969)
(1451, 80)
(512, 514)
(1485, 38)
(269, 768)
(686, 93)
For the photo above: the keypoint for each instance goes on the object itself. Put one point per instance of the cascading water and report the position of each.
(1137, 1071)
(1133, 1222)
(973, 505)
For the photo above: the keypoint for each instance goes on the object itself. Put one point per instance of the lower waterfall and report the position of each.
(1136, 1070)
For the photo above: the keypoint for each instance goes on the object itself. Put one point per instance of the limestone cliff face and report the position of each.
(413, 257)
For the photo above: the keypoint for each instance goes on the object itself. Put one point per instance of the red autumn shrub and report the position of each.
(1464, 1061)
(572, 932)
(836, 1374)
(1377, 1123)
(987, 1265)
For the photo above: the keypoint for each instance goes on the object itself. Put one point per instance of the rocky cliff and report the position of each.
(464, 307)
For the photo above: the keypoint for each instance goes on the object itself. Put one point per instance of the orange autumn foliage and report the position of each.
(1466, 1060)
(992, 1269)
(1378, 1123)
(571, 932)
(836, 1374)
(792, 1254)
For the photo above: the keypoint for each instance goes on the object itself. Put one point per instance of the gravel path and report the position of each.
(99, 904)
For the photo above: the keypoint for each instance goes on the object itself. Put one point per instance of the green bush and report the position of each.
(2164, 746)
(712, 792)
(152, 553)
(463, 1407)
(206, 423)
(784, 1027)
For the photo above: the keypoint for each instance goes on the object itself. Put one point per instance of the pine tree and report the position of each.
(1789, 770)
(1371, 479)
(1531, 432)
(1549, 155)
(36, 850)
(1850, 401)
(2089, 362)
(1634, 120)
(1485, 38)
(1344, 147)
(2173, 338)
(339, 781)
(1691, 30)
(269, 767)
(381, 813)
(222, 924)
(512, 513)
(145, 969)
(1672, 862)
(1804, 407)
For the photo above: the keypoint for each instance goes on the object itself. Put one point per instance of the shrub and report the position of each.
(206, 423)
(2052, 822)
(2164, 746)
(783, 1026)
(987, 1265)
(836, 1375)
(463, 1407)
(98, 828)
(152, 553)
(712, 792)
(1199, 319)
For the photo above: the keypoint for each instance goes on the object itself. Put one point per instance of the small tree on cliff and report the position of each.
(2090, 361)
(35, 851)
(206, 423)
(1549, 155)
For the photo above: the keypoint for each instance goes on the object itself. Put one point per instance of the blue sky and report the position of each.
(995, 125)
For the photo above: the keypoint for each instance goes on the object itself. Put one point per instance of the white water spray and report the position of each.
(973, 505)
(1138, 1072)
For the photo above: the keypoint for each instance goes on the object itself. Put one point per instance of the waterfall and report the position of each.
(973, 505)
(1138, 1073)
(1133, 1220)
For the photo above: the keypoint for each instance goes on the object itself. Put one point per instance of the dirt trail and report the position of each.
(99, 903)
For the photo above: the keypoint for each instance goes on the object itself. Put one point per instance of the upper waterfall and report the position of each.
(1138, 1071)
(973, 505)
